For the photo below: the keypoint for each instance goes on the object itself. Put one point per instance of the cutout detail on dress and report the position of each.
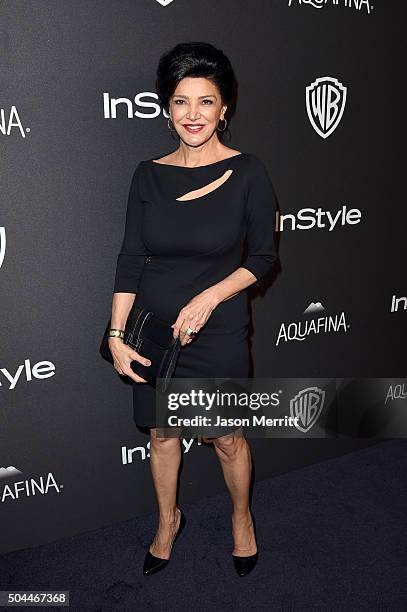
(202, 191)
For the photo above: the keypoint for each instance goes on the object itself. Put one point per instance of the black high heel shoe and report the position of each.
(244, 565)
(152, 563)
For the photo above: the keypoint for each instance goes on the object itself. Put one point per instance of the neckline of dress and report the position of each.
(196, 167)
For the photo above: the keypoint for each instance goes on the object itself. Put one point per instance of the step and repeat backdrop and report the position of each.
(321, 102)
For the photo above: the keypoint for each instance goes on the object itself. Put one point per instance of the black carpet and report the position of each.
(331, 536)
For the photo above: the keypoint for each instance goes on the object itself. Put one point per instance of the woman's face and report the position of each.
(195, 109)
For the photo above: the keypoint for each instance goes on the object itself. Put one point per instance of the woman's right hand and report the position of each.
(123, 355)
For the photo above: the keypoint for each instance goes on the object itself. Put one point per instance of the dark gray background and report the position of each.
(64, 190)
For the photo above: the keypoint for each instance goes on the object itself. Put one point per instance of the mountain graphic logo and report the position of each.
(8, 472)
(313, 307)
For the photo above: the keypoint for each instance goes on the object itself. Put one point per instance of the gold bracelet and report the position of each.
(116, 333)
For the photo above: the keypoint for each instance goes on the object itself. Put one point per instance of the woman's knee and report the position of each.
(163, 440)
(229, 445)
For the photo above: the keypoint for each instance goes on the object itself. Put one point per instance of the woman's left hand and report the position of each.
(194, 315)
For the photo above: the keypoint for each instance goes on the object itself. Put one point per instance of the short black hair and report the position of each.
(196, 59)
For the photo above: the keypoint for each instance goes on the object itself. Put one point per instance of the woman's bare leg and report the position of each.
(234, 455)
(165, 458)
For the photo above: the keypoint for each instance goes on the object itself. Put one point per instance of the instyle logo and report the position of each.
(40, 370)
(10, 122)
(129, 108)
(2, 245)
(398, 303)
(359, 5)
(143, 452)
(306, 406)
(325, 100)
(31, 487)
(302, 330)
(310, 218)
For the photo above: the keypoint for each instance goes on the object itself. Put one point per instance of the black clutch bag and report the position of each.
(153, 338)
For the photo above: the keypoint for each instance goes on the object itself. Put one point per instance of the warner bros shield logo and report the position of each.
(307, 406)
(325, 99)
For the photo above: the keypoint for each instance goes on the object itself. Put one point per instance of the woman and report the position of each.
(187, 218)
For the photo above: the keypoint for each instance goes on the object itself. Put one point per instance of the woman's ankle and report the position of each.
(170, 517)
(242, 516)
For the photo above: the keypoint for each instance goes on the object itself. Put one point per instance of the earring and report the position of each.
(224, 127)
(169, 127)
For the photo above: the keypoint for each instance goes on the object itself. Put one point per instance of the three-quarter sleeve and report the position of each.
(261, 206)
(132, 256)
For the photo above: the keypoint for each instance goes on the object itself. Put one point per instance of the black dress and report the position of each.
(173, 249)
